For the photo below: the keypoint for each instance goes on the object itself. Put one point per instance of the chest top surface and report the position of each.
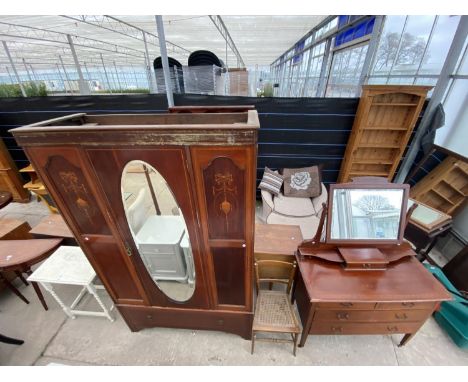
(405, 280)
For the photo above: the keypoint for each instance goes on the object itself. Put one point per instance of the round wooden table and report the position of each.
(5, 198)
(19, 255)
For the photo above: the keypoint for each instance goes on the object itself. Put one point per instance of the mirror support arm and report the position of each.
(318, 234)
(409, 213)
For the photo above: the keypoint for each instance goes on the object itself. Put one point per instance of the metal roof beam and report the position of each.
(27, 32)
(48, 51)
(116, 25)
(218, 22)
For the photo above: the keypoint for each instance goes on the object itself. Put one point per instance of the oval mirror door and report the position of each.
(159, 230)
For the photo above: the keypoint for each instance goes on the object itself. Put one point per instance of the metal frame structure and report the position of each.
(33, 33)
(323, 32)
(440, 90)
(95, 51)
(219, 23)
(282, 67)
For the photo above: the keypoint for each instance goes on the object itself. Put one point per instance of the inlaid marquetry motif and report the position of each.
(71, 185)
(224, 192)
(224, 185)
(74, 188)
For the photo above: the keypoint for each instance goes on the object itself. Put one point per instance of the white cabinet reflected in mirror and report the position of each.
(366, 214)
(158, 229)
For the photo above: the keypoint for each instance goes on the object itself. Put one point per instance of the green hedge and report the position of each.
(32, 89)
(124, 91)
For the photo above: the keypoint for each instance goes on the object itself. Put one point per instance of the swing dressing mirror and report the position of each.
(367, 211)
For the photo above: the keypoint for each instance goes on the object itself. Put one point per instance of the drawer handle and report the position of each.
(149, 316)
(392, 328)
(337, 329)
(408, 304)
(401, 316)
(366, 265)
(346, 304)
(342, 316)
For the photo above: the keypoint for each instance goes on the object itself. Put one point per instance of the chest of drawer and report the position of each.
(371, 315)
(327, 327)
(345, 305)
(405, 305)
(399, 305)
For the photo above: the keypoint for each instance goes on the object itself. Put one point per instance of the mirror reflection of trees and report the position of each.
(366, 214)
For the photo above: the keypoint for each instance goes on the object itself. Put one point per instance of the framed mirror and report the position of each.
(158, 229)
(426, 217)
(367, 211)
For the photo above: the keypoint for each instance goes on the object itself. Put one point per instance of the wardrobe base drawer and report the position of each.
(322, 327)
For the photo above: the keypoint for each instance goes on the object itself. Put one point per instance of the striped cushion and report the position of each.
(271, 181)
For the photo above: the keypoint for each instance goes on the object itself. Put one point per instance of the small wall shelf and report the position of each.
(445, 188)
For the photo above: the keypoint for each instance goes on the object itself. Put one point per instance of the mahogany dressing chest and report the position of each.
(364, 279)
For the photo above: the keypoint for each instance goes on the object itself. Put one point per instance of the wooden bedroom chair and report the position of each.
(273, 311)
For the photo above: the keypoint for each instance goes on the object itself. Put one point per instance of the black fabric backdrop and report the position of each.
(294, 132)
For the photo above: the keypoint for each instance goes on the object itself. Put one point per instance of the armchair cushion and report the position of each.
(271, 181)
(302, 182)
(293, 206)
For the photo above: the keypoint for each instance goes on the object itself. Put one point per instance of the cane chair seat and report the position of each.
(273, 312)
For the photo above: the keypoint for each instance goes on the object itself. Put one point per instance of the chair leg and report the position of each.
(254, 335)
(13, 289)
(19, 274)
(295, 343)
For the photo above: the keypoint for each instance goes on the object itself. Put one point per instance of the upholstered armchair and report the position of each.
(304, 212)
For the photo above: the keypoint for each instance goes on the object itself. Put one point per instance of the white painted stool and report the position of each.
(69, 266)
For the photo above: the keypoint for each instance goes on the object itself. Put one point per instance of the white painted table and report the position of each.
(69, 265)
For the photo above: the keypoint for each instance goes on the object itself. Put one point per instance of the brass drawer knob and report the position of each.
(342, 316)
(337, 329)
(346, 303)
(408, 304)
(392, 328)
(402, 316)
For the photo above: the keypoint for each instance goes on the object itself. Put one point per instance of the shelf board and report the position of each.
(453, 187)
(369, 173)
(393, 104)
(372, 161)
(380, 128)
(379, 145)
(442, 196)
(27, 169)
(461, 169)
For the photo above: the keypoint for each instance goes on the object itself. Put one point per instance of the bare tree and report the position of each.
(370, 203)
(411, 50)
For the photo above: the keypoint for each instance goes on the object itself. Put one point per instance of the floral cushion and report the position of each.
(302, 182)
